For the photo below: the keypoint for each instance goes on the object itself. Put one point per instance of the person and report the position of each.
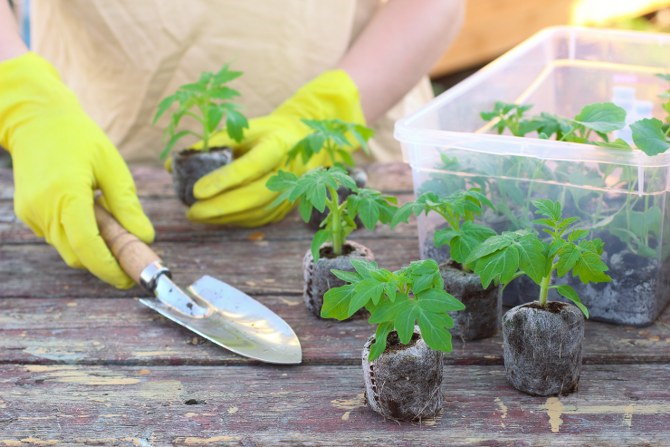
(363, 61)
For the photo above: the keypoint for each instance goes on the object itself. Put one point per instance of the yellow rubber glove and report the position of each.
(236, 193)
(60, 157)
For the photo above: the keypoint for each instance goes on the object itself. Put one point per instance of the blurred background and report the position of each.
(494, 26)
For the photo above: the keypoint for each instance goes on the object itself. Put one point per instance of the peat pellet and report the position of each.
(318, 277)
(483, 307)
(189, 165)
(404, 383)
(542, 348)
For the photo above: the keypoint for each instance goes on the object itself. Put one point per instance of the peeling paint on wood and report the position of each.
(76, 353)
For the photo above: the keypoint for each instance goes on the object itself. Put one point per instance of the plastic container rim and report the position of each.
(406, 134)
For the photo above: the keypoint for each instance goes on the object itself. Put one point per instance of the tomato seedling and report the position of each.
(208, 102)
(396, 301)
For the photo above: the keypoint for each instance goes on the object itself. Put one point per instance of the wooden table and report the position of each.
(84, 364)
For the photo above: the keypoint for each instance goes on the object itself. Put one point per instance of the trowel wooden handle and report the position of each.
(133, 254)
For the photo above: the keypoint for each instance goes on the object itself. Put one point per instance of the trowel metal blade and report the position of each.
(229, 318)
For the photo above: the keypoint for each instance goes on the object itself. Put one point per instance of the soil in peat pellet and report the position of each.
(542, 348)
(189, 165)
(404, 383)
(483, 307)
(318, 277)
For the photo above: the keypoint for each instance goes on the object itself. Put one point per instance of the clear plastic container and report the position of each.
(620, 195)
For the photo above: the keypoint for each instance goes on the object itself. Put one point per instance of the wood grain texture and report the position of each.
(122, 331)
(82, 363)
(319, 405)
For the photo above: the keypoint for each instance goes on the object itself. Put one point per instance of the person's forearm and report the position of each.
(399, 45)
(11, 44)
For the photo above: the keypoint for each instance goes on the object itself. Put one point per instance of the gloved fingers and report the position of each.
(120, 197)
(258, 162)
(81, 229)
(57, 238)
(246, 197)
(255, 217)
(50, 229)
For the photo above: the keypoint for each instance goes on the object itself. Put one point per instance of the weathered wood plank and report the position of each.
(122, 331)
(268, 267)
(318, 405)
(169, 220)
(154, 181)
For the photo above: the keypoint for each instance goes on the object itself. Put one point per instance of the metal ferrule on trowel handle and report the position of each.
(212, 309)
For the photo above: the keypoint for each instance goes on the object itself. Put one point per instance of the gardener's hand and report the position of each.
(60, 157)
(236, 193)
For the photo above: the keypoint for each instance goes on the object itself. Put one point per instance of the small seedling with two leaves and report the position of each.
(317, 189)
(208, 102)
(333, 136)
(505, 257)
(396, 301)
(458, 210)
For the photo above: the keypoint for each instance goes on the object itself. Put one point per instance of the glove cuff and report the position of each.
(31, 88)
(331, 95)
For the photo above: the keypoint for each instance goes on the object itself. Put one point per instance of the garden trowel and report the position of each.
(213, 309)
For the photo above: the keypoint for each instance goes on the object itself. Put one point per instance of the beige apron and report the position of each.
(122, 57)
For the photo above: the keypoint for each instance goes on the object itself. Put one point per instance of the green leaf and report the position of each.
(387, 311)
(500, 266)
(363, 267)
(532, 259)
(226, 75)
(235, 125)
(549, 208)
(602, 117)
(570, 293)
(320, 237)
(379, 345)
(404, 321)
(402, 214)
(214, 115)
(577, 234)
(590, 268)
(305, 210)
(568, 256)
(350, 277)
(368, 289)
(163, 106)
(649, 136)
(464, 242)
(492, 245)
(336, 302)
(436, 300)
(616, 144)
(434, 331)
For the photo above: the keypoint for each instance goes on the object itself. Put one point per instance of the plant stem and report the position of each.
(544, 289)
(336, 221)
(205, 129)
